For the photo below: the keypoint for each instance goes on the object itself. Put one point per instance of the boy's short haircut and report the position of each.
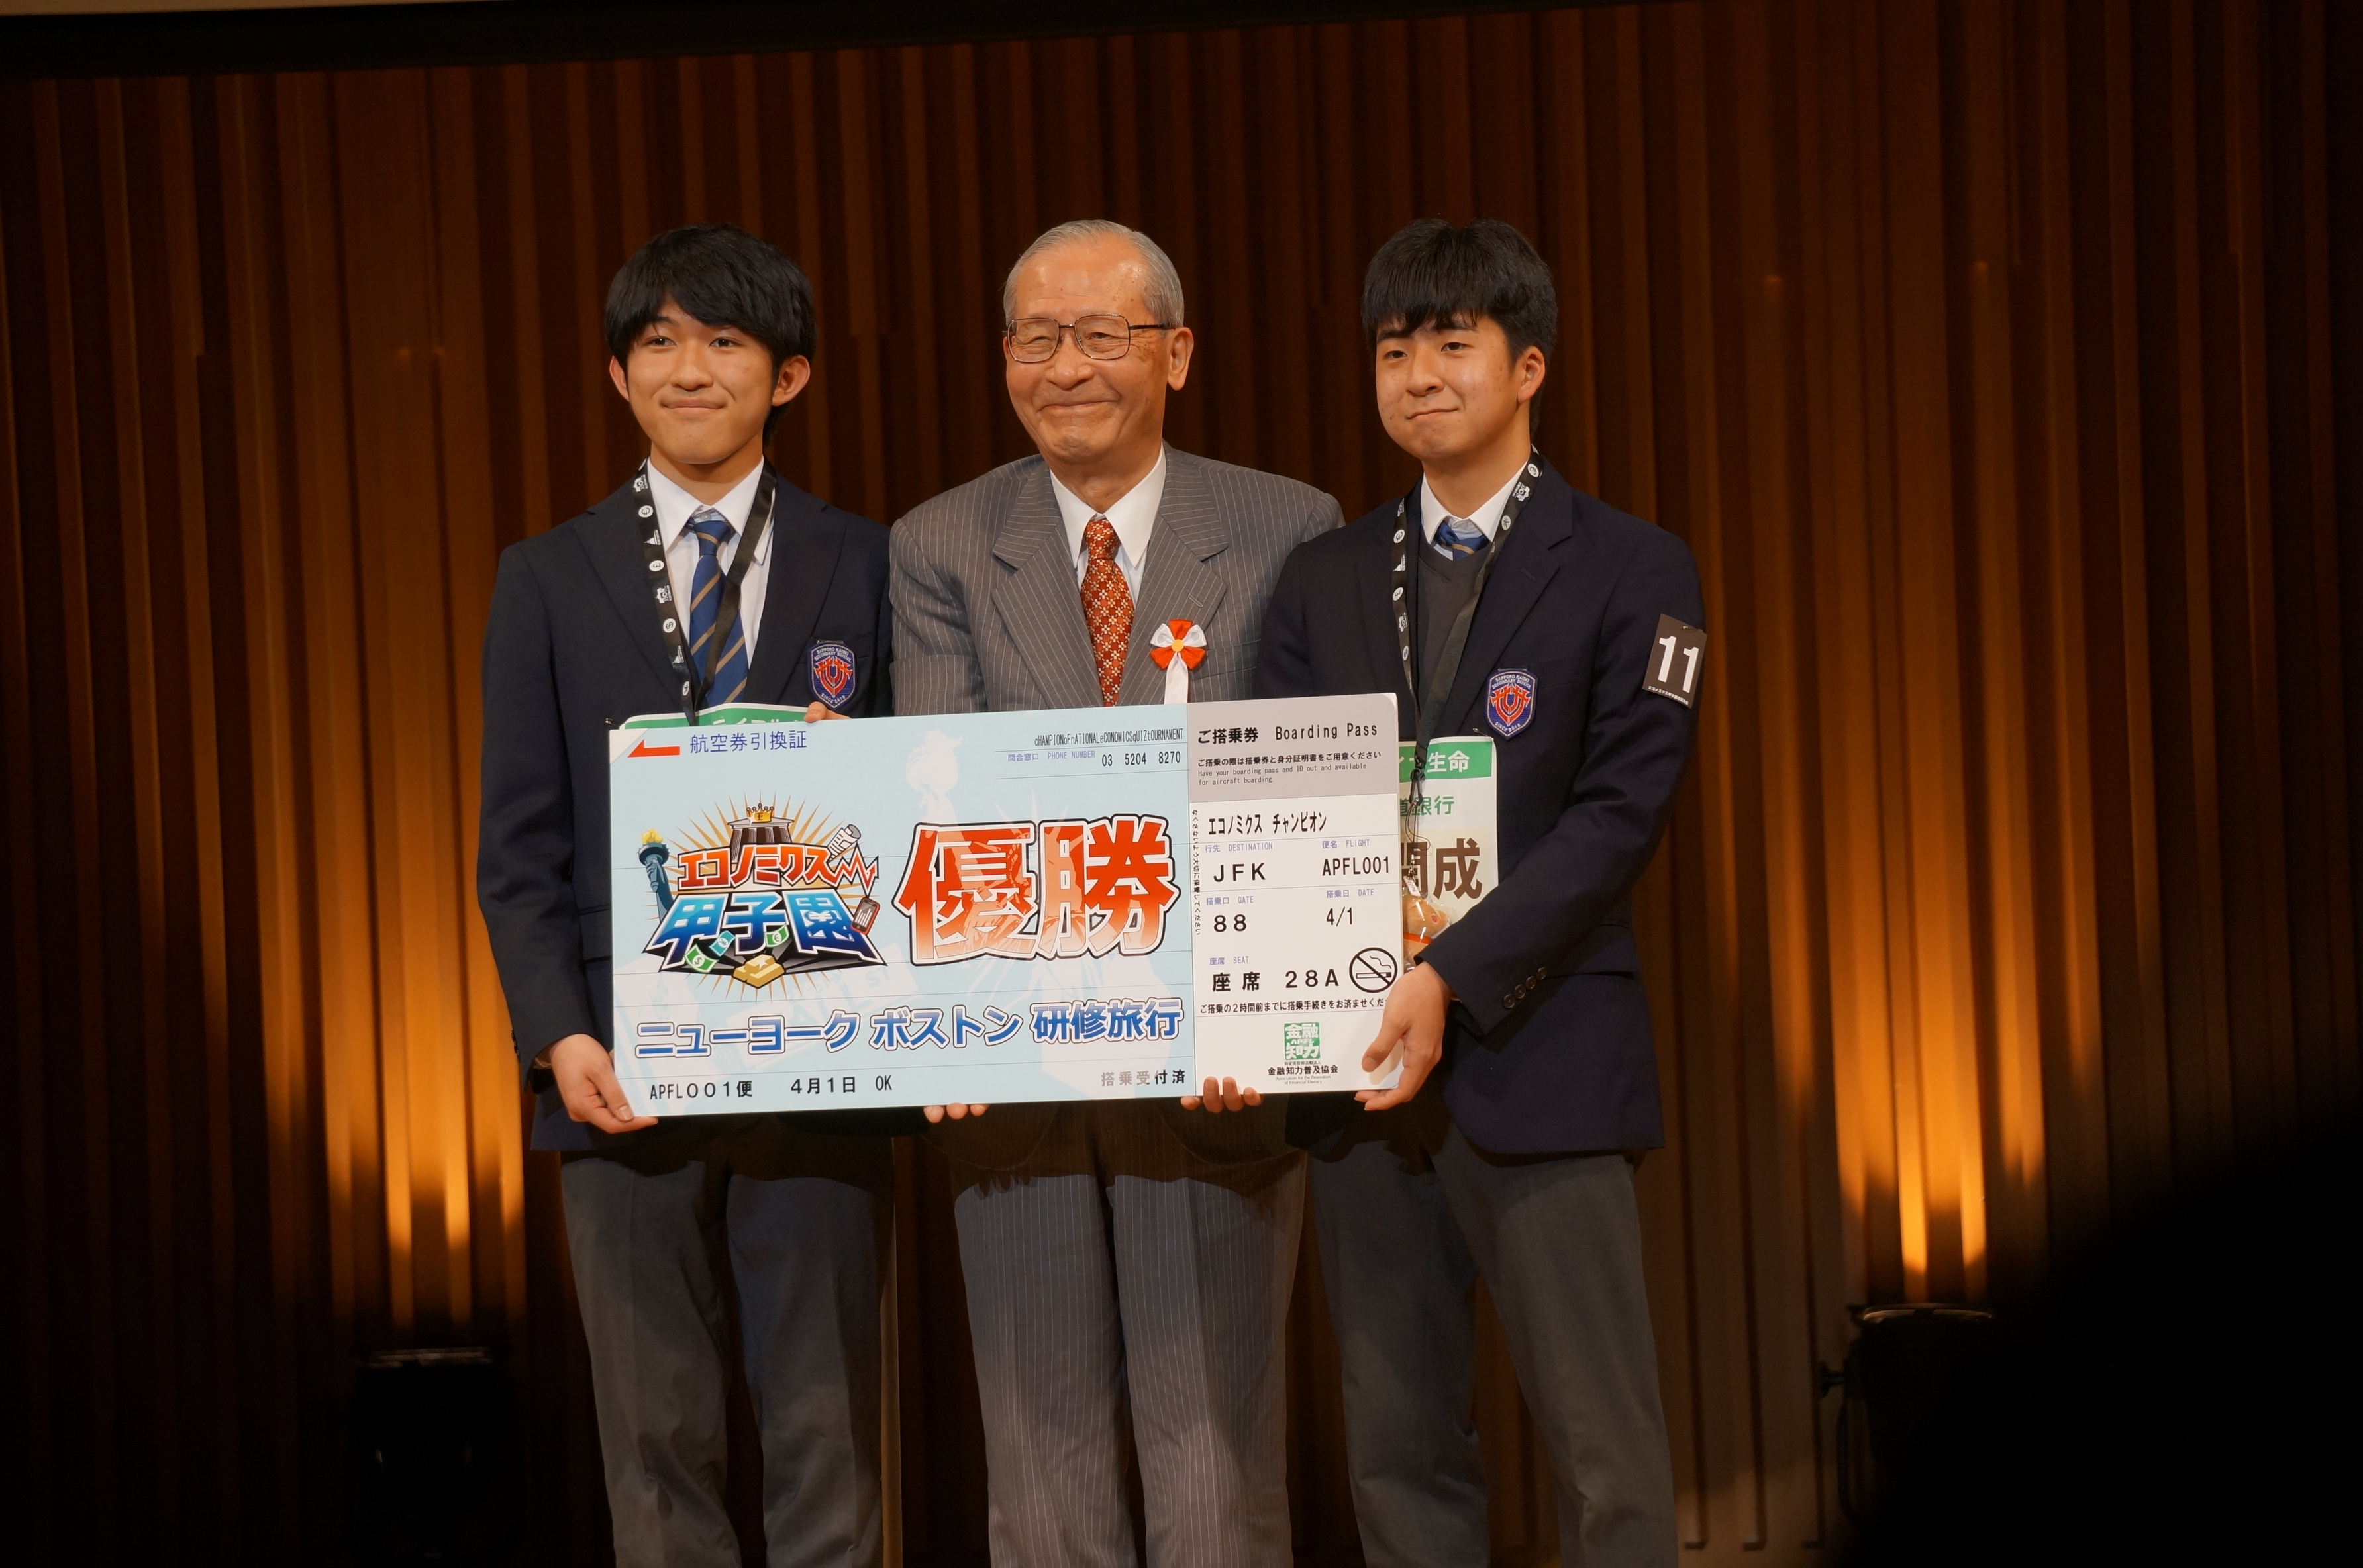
(722, 276)
(1433, 273)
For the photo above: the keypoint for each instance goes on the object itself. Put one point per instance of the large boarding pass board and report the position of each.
(1080, 904)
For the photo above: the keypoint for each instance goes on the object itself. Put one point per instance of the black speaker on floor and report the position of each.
(1906, 1365)
(433, 1473)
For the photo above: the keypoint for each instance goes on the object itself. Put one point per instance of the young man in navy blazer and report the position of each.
(1523, 605)
(711, 334)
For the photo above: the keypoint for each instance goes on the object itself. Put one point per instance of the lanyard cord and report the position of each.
(1456, 641)
(696, 682)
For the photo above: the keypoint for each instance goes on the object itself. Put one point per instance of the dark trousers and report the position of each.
(1128, 1294)
(1408, 1214)
(798, 1223)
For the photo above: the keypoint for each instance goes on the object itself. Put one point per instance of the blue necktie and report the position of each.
(705, 603)
(1455, 539)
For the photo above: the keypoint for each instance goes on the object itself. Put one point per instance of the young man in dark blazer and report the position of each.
(1495, 594)
(638, 606)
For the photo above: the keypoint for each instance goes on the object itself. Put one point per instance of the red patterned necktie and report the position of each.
(1107, 607)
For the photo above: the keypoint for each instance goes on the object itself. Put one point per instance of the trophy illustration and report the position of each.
(756, 827)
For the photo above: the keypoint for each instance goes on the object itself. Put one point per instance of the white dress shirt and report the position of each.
(1134, 518)
(674, 506)
(1487, 517)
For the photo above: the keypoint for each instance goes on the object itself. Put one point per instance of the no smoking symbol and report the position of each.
(1373, 969)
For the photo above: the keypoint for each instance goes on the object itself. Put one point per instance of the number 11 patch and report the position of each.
(1675, 660)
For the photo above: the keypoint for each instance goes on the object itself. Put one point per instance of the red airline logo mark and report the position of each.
(644, 749)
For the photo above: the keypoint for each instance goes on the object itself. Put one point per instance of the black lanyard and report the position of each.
(694, 682)
(1456, 642)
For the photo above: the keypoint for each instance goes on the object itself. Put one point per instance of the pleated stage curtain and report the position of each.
(1992, 355)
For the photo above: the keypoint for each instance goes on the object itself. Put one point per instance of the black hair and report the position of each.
(1433, 273)
(724, 276)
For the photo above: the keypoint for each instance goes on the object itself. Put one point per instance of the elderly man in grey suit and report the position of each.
(1123, 1258)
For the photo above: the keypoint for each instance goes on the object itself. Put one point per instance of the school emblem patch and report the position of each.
(1510, 700)
(832, 673)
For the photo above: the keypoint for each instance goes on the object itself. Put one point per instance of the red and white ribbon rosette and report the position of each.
(1178, 647)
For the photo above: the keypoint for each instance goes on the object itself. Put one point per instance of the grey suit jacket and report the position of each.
(989, 617)
(995, 617)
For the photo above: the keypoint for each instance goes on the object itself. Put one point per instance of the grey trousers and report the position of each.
(802, 1220)
(1129, 1295)
(1406, 1223)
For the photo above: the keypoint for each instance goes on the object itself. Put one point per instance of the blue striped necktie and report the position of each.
(705, 602)
(1457, 539)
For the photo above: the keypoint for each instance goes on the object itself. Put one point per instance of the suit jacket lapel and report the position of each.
(805, 543)
(1176, 582)
(1530, 561)
(611, 535)
(1041, 603)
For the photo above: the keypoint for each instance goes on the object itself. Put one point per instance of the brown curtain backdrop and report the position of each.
(1992, 355)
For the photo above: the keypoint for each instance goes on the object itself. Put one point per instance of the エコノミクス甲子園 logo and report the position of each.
(763, 902)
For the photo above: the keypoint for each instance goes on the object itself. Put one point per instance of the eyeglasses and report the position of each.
(1034, 338)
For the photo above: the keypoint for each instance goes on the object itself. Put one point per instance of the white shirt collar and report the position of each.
(1487, 517)
(674, 506)
(1133, 516)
